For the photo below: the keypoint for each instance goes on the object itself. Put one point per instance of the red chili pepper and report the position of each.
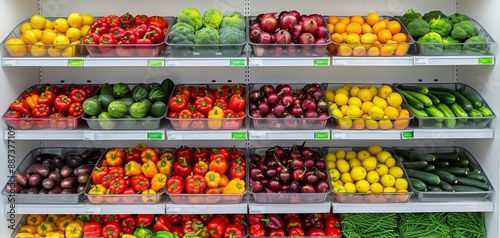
(47, 97)
(140, 19)
(111, 230)
(62, 103)
(175, 184)
(128, 224)
(195, 183)
(41, 111)
(75, 109)
(140, 183)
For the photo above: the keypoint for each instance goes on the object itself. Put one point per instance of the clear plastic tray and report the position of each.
(128, 50)
(287, 123)
(350, 123)
(45, 198)
(205, 50)
(431, 196)
(287, 50)
(286, 198)
(462, 122)
(384, 49)
(398, 197)
(457, 48)
(69, 50)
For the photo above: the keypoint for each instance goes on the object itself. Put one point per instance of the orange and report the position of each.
(337, 38)
(399, 37)
(345, 20)
(378, 26)
(365, 28)
(372, 18)
(377, 44)
(359, 51)
(391, 112)
(401, 50)
(384, 35)
(345, 50)
(386, 50)
(331, 27)
(353, 27)
(333, 20)
(385, 21)
(340, 27)
(394, 27)
(385, 123)
(358, 19)
(358, 124)
(402, 120)
(372, 51)
(371, 123)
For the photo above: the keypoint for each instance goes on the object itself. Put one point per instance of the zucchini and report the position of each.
(412, 101)
(429, 168)
(441, 164)
(465, 188)
(445, 176)
(432, 111)
(461, 162)
(421, 97)
(476, 103)
(450, 120)
(435, 100)
(486, 112)
(459, 112)
(476, 176)
(414, 155)
(418, 185)
(415, 165)
(418, 112)
(472, 182)
(446, 186)
(461, 100)
(426, 177)
(414, 88)
(458, 171)
(432, 188)
(444, 97)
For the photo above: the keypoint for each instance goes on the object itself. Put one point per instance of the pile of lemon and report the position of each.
(43, 37)
(371, 170)
(367, 107)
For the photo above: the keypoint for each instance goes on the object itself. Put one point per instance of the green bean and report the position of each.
(466, 224)
(421, 225)
(369, 225)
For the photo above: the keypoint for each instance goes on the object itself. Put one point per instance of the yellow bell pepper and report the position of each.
(52, 218)
(159, 181)
(149, 169)
(28, 229)
(212, 178)
(45, 227)
(32, 100)
(235, 186)
(149, 196)
(54, 234)
(97, 189)
(62, 222)
(215, 118)
(164, 165)
(35, 219)
(133, 168)
(128, 236)
(23, 234)
(74, 229)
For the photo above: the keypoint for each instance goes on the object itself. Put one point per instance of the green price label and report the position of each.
(239, 135)
(407, 135)
(321, 62)
(155, 136)
(321, 135)
(75, 62)
(485, 60)
(155, 62)
(237, 62)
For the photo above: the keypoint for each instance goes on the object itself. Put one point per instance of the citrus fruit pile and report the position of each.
(371, 170)
(43, 37)
(367, 107)
(369, 35)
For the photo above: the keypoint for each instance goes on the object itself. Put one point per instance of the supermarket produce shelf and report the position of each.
(338, 134)
(259, 208)
(289, 61)
(453, 133)
(240, 208)
(289, 134)
(454, 60)
(234, 62)
(207, 135)
(85, 134)
(414, 206)
(372, 61)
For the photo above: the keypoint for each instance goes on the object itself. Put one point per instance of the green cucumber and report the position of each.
(446, 186)
(465, 188)
(418, 184)
(461, 162)
(447, 156)
(458, 171)
(432, 111)
(426, 177)
(421, 97)
(441, 164)
(445, 176)
(476, 103)
(450, 120)
(444, 97)
(429, 168)
(474, 168)
(435, 100)
(414, 88)
(418, 112)
(486, 112)
(475, 114)
(415, 165)
(432, 188)
(476, 176)
(461, 100)
(412, 101)
(459, 112)
(473, 182)
(414, 155)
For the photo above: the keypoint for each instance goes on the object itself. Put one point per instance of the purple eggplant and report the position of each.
(256, 174)
(256, 186)
(321, 187)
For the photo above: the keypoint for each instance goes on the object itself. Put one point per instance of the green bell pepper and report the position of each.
(143, 233)
(165, 234)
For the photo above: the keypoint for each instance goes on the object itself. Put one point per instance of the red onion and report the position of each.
(254, 34)
(311, 114)
(255, 114)
(264, 38)
(283, 37)
(318, 18)
(282, 13)
(277, 50)
(259, 50)
(296, 31)
(292, 50)
(290, 121)
(287, 99)
(273, 99)
(306, 38)
(287, 21)
(295, 13)
(320, 49)
(321, 32)
(296, 110)
(255, 95)
(269, 23)
(255, 25)
(308, 25)
(303, 17)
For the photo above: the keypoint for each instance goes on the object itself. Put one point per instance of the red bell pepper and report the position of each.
(128, 224)
(91, 39)
(255, 218)
(195, 184)
(233, 231)
(75, 109)
(92, 229)
(113, 21)
(181, 167)
(200, 153)
(239, 219)
(90, 89)
(41, 111)
(111, 230)
(238, 89)
(273, 221)
(111, 218)
(20, 106)
(276, 233)
(157, 21)
(200, 167)
(257, 230)
(183, 92)
(127, 19)
(220, 102)
(177, 103)
(47, 97)
(221, 93)
(237, 103)
(104, 40)
(144, 220)
(78, 95)
(216, 227)
(219, 153)
(155, 34)
(57, 121)
(116, 32)
(106, 180)
(204, 104)
(140, 19)
(192, 226)
(162, 223)
(49, 87)
(29, 92)
(185, 117)
(140, 183)
(130, 191)
(237, 171)
(332, 226)
(186, 152)
(98, 174)
(26, 122)
(315, 232)
(100, 27)
(66, 89)
(132, 154)
(296, 232)
(62, 103)
(175, 184)
(218, 165)
(174, 219)
(117, 171)
(128, 37)
(11, 114)
(333, 231)
(117, 185)
(198, 122)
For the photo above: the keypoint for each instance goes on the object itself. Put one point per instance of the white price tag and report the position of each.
(257, 209)
(174, 210)
(9, 62)
(339, 136)
(88, 136)
(173, 63)
(339, 62)
(174, 136)
(421, 61)
(257, 134)
(92, 210)
(256, 62)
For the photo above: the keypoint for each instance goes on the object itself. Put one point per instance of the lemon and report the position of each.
(376, 112)
(84, 30)
(339, 189)
(343, 109)
(346, 86)
(362, 186)
(369, 163)
(358, 173)
(372, 89)
(75, 19)
(54, 52)
(337, 113)
(331, 157)
(376, 188)
(371, 124)
(353, 39)
(374, 149)
(363, 154)
(87, 19)
(330, 95)
(394, 99)
(390, 190)
(37, 22)
(385, 123)
(365, 95)
(49, 24)
(26, 26)
(365, 107)
(354, 162)
(391, 112)
(396, 171)
(69, 51)
(354, 91)
(346, 178)
(73, 34)
(372, 177)
(338, 182)
(38, 33)
(401, 184)
(340, 154)
(61, 25)
(38, 49)
(388, 180)
(29, 37)
(341, 99)
(61, 42)
(350, 155)
(343, 166)
(390, 162)
(334, 174)
(345, 123)
(331, 164)
(354, 101)
(382, 169)
(383, 155)
(384, 91)
(379, 102)
(48, 36)
(332, 106)
(350, 187)
(342, 91)
(354, 112)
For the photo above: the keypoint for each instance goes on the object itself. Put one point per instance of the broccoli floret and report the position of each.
(231, 36)
(212, 18)
(205, 37)
(441, 25)
(235, 20)
(430, 44)
(409, 16)
(192, 17)
(181, 35)
(464, 30)
(476, 45)
(452, 45)
(183, 24)
(433, 14)
(458, 17)
(418, 28)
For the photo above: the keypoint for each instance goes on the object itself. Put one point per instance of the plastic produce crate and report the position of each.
(340, 48)
(283, 123)
(384, 197)
(377, 123)
(30, 159)
(470, 122)
(445, 196)
(128, 50)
